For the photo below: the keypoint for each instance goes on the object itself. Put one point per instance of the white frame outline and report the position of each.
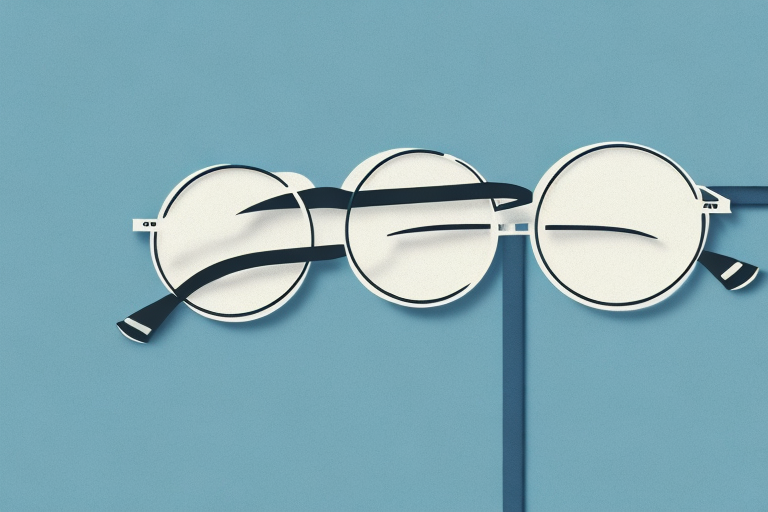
(538, 192)
(351, 183)
(232, 319)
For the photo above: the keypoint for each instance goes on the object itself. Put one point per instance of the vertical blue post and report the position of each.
(513, 337)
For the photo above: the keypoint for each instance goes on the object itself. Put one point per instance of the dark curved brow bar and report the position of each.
(442, 227)
(329, 197)
(575, 227)
(140, 325)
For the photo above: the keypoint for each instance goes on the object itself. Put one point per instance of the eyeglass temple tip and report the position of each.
(732, 273)
(140, 326)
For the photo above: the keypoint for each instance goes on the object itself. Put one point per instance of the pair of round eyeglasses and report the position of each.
(614, 226)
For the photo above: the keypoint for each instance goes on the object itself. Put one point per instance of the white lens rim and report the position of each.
(538, 197)
(222, 317)
(357, 179)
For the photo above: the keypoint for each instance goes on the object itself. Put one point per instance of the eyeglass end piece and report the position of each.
(714, 202)
(146, 225)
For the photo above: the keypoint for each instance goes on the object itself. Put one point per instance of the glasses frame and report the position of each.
(519, 206)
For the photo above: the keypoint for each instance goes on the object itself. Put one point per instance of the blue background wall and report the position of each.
(342, 401)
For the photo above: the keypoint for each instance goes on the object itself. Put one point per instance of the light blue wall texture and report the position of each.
(341, 401)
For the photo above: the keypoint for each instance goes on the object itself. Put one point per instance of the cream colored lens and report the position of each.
(617, 226)
(419, 254)
(200, 226)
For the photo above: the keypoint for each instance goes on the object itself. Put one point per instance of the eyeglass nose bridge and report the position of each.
(515, 221)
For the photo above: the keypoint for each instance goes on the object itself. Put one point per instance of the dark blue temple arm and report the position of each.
(744, 195)
(328, 197)
(323, 197)
(142, 324)
(440, 193)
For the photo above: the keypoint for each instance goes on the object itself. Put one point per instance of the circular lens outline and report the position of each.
(551, 175)
(229, 317)
(368, 282)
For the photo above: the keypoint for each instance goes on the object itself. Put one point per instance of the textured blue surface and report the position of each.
(341, 401)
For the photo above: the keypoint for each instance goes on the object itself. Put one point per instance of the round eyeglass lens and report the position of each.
(617, 226)
(418, 254)
(199, 226)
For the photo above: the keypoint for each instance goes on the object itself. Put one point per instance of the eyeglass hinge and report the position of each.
(146, 225)
(720, 204)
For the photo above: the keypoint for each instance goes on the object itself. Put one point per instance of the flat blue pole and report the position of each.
(513, 337)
